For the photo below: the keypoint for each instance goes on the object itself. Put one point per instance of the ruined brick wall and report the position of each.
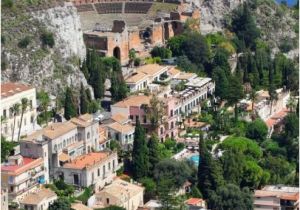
(95, 42)
(118, 40)
(135, 40)
(157, 34)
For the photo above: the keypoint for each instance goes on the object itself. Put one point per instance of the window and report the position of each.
(161, 130)
(98, 171)
(4, 113)
(172, 125)
(109, 166)
(88, 135)
(31, 119)
(145, 119)
(30, 104)
(172, 113)
(107, 200)
(64, 143)
(137, 118)
(131, 117)
(25, 121)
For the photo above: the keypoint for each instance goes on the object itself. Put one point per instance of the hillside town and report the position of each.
(155, 116)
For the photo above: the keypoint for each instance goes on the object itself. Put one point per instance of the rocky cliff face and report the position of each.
(44, 67)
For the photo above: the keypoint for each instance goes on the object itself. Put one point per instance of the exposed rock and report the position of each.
(44, 67)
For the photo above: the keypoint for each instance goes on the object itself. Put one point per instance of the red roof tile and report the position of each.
(10, 89)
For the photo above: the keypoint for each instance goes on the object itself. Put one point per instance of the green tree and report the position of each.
(131, 56)
(257, 130)
(15, 109)
(230, 197)
(209, 171)
(140, 156)
(7, 148)
(119, 88)
(47, 39)
(44, 99)
(150, 187)
(155, 112)
(23, 43)
(175, 45)
(93, 106)
(60, 204)
(185, 64)
(161, 52)
(221, 60)
(70, 105)
(196, 48)
(112, 207)
(244, 26)
(153, 152)
(84, 102)
(234, 94)
(221, 79)
(24, 105)
(178, 170)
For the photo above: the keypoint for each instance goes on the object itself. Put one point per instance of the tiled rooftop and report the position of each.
(26, 164)
(85, 161)
(121, 128)
(10, 89)
(136, 100)
(38, 196)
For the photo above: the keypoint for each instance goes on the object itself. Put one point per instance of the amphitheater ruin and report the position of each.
(114, 27)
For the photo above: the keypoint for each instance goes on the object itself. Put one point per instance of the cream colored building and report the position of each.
(95, 168)
(119, 193)
(4, 199)
(39, 199)
(20, 175)
(61, 142)
(12, 93)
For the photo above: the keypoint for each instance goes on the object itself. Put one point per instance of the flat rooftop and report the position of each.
(34, 198)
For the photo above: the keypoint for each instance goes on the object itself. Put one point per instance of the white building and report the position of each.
(39, 199)
(4, 199)
(119, 193)
(276, 198)
(11, 94)
(20, 175)
(95, 168)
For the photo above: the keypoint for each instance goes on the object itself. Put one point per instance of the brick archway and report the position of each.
(117, 53)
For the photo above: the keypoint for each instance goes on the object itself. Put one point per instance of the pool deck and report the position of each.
(184, 154)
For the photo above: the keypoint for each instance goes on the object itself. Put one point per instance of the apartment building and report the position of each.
(95, 168)
(135, 107)
(60, 142)
(12, 94)
(20, 175)
(40, 199)
(119, 193)
(276, 198)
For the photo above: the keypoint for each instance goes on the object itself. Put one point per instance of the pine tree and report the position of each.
(221, 79)
(70, 105)
(153, 152)
(118, 86)
(84, 102)
(209, 171)
(140, 158)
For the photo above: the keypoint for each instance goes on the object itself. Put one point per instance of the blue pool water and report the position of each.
(289, 2)
(195, 159)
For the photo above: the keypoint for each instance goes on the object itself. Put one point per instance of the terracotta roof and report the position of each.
(120, 118)
(80, 206)
(136, 100)
(277, 117)
(136, 77)
(57, 129)
(173, 71)
(10, 89)
(152, 69)
(118, 188)
(194, 201)
(121, 128)
(85, 161)
(28, 163)
(83, 120)
(37, 197)
(102, 134)
(186, 76)
(294, 196)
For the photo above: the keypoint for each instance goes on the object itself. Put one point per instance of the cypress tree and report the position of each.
(84, 102)
(209, 171)
(140, 158)
(153, 152)
(70, 105)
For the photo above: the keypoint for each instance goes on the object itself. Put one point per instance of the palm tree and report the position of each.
(24, 105)
(44, 100)
(273, 97)
(14, 110)
(253, 97)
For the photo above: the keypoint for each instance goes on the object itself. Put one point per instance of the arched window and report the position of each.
(64, 143)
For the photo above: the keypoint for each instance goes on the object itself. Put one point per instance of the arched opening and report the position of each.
(117, 53)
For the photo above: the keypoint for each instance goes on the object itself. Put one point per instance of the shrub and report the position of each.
(47, 39)
(286, 45)
(7, 3)
(137, 62)
(23, 43)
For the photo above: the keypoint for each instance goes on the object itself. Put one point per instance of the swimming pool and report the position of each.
(195, 159)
